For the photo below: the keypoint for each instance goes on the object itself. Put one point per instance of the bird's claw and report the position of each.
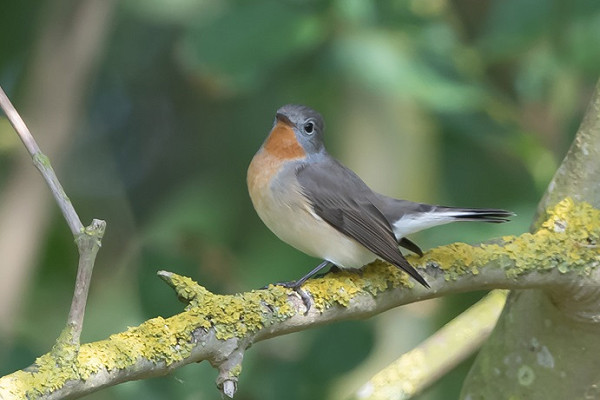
(305, 298)
(289, 285)
(296, 287)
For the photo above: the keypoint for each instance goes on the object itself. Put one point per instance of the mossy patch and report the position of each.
(567, 240)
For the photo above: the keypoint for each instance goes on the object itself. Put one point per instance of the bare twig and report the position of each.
(68, 44)
(88, 239)
(88, 244)
(561, 254)
(42, 163)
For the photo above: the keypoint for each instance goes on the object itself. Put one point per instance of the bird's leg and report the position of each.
(312, 274)
(296, 285)
(333, 269)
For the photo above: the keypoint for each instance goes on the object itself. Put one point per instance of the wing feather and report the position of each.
(343, 200)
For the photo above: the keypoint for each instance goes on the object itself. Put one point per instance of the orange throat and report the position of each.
(282, 143)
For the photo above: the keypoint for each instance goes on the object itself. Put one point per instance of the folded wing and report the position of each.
(344, 201)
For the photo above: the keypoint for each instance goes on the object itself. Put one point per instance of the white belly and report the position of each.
(284, 209)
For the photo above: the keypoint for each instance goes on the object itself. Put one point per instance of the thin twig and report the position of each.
(88, 244)
(88, 239)
(42, 163)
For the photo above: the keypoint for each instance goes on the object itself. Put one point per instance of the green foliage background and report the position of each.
(457, 102)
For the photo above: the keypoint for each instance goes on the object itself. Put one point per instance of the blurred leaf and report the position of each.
(199, 208)
(340, 347)
(580, 35)
(9, 141)
(355, 11)
(175, 11)
(501, 83)
(386, 63)
(534, 79)
(236, 51)
(513, 25)
(326, 353)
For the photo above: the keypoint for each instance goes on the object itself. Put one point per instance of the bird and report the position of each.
(314, 203)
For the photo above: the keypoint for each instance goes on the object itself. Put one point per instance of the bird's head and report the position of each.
(297, 132)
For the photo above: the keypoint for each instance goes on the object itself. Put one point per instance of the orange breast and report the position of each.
(260, 172)
(281, 146)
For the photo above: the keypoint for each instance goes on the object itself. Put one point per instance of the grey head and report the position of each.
(307, 124)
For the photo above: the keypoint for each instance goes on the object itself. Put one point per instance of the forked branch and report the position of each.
(88, 239)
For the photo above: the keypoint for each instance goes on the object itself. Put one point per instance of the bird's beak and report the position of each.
(282, 118)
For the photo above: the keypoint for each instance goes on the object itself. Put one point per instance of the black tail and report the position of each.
(494, 215)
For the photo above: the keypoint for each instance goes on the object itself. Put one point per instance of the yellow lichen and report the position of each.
(567, 241)
(339, 288)
(236, 370)
(409, 373)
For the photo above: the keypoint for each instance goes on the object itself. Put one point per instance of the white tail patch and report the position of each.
(412, 223)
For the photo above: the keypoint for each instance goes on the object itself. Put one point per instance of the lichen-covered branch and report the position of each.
(579, 174)
(545, 344)
(426, 363)
(220, 328)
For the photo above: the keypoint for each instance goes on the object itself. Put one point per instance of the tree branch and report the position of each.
(579, 174)
(573, 310)
(88, 239)
(220, 328)
(562, 255)
(425, 364)
(67, 46)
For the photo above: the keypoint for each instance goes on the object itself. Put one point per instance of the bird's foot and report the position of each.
(296, 286)
(289, 285)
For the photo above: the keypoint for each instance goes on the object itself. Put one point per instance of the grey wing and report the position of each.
(343, 200)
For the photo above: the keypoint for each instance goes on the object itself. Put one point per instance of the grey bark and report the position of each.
(545, 345)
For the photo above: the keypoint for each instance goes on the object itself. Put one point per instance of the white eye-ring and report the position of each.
(309, 128)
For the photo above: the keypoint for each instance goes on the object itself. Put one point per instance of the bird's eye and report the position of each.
(309, 128)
